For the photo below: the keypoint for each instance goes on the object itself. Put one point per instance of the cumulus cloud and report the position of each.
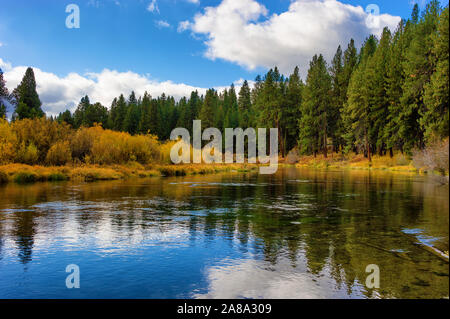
(183, 26)
(58, 93)
(254, 279)
(243, 32)
(162, 24)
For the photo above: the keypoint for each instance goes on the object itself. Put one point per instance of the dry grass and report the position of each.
(23, 173)
(399, 162)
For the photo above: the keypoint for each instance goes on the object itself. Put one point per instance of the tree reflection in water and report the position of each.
(296, 234)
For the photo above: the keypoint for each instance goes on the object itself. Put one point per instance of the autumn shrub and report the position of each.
(401, 159)
(27, 154)
(40, 132)
(8, 143)
(59, 154)
(119, 148)
(109, 148)
(82, 141)
(142, 148)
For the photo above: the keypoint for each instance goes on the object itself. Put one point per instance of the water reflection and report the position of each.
(296, 234)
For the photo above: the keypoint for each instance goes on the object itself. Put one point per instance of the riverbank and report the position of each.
(397, 163)
(22, 173)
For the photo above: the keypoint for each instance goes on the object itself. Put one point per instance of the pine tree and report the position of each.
(145, 120)
(315, 109)
(79, 115)
(345, 135)
(28, 104)
(131, 121)
(338, 92)
(208, 109)
(418, 69)
(88, 114)
(117, 113)
(293, 103)
(66, 117)
(376, 80)
(192, 110)
(244, 104)
(154, 117)
(357, 111)
(394, 91)
(436, 113)
(182, 110)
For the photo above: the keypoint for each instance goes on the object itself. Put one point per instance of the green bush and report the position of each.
(25, 177)
(57, 177)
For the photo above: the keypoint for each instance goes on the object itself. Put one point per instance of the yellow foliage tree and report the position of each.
(59, 153)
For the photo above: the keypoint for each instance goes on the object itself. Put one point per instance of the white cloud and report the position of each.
(58, 93)
(254, 279)
(243, 32)
(193, 1)
(153, 6)
(183, 26)
(162, 24)
(1, 44)
(5, 66)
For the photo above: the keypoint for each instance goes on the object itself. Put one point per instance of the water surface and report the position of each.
(295, 234)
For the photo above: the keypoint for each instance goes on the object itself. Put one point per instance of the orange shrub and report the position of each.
(33, 141)
(81, 142)
(40, 132)
(8, 143)
(118, 148)
(27, 154)
(59, 154)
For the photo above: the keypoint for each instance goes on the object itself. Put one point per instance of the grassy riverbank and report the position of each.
(397, 163)
(22, 173)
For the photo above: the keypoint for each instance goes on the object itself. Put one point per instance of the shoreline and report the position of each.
(23, 173)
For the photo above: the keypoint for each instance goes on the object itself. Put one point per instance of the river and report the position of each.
(296, 234)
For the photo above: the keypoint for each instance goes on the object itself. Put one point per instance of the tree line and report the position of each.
(390, 95)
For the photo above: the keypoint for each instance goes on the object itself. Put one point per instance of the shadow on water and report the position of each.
(295, 234)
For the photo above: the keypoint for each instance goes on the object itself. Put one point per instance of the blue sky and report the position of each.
(133, 35)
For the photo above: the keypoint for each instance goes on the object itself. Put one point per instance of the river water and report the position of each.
(296, 234)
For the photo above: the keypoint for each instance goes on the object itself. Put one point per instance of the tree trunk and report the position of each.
(368, 147)
(325, 144)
